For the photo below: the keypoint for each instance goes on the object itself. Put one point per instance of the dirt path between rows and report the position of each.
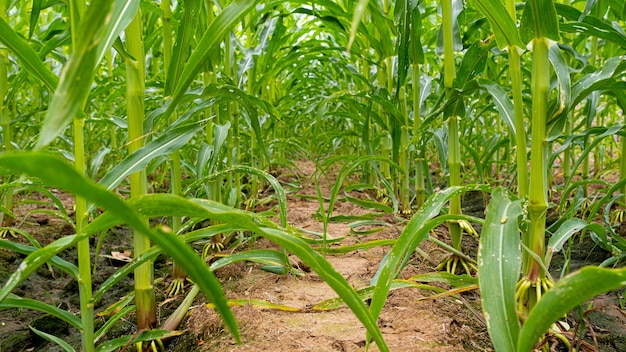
(440, 325)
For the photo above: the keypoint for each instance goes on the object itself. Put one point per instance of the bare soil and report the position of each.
(408, 322)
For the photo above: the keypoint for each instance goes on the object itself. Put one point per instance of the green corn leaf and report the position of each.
(66, 266)
(503, 26)
(565, 231)
(71, 93)
(153, 252)
(57, 173)
(13, 301)
(611, 69)
(121, 313)
(359, 11)
(473, 63)
(123, 13)
(165, 144)
(594, 26)
(416, 230)
(539, 20)
(499, 263)
(281, 195)
(231, 15)
(183, 44)
(567, 294)
(562, 73)
(446, 278)
(28, 57)
(502, 102)
(150, 335)
(34, 17)
(262, 256)
(404, 16)
(416, 36)
(250, 103)
(48, 337)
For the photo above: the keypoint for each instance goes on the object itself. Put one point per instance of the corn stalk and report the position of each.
(540, 27)
(135, 75)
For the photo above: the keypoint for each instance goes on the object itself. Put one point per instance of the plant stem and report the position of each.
(454, 153)
(417, 122)
(84, 256)
(5, 121)
(77, 8)
(538, 197)
(135, 73)
(178, 275)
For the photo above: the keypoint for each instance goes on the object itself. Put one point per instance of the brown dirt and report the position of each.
(407, 325)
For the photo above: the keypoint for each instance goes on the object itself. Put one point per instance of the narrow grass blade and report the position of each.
(366, 293)
(257, 303)
(64, 345)
(539, 20)
(64, 265)
(499, 264)
(262, 256)
(112, 321)
(359, 246)
(13, 301)
(566, 294)
(123, 341)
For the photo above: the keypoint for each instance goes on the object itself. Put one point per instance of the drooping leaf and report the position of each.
(502, 102)
(54, 339)
(13, 301)
(572, 290)
(167, 143)
(28, 57)
(73, 89)
(414, 233)
(269, 257)
(123, 13)
(504, 28)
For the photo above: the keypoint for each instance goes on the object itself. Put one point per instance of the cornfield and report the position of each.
(181, 122)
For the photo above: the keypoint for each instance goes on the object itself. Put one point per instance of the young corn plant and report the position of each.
(535, 300)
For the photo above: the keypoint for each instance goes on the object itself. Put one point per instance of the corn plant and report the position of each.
(176, 104)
